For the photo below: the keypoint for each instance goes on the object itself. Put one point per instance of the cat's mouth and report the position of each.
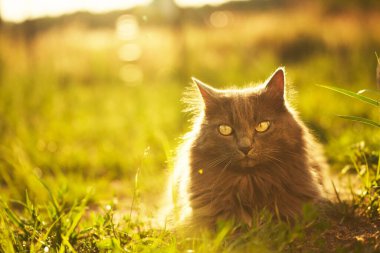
(247, 162)
(245, 165)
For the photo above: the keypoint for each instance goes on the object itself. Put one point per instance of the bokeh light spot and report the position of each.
(127, 27)
(220, 19)
(130, 52)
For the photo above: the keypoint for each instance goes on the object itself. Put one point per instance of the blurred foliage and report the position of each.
(82, 107)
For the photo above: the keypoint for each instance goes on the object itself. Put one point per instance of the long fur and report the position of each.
(209, 183)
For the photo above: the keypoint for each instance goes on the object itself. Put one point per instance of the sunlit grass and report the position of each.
(84, 156)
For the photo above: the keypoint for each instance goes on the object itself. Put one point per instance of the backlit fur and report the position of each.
(213, 180)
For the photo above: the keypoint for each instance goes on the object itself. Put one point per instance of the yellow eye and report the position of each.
(225, 130)
(262, 126)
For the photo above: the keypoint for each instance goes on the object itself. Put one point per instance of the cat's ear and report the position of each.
(275, 85)
(208, 93)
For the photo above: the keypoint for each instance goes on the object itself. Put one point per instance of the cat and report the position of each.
(247, 151)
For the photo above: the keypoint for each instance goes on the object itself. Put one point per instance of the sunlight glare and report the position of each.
(127, 27)
(199, 2)
(19, 10)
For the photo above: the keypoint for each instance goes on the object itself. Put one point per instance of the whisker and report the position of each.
(278, 151)
(216, 161)
(219, 160)
(275, 163)
(213, 187)
(272, 158)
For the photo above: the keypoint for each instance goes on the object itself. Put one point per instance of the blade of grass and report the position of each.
(13, 218)
(353, 95)
(135, 192)
(43, 240)
(378, 71)
(77, 217)
(361, 120)
(357, 168)
(367, 180)
(75, 222)
(65, 242)
(52, 198)
(368, 91)
(6, 236)
(378, 169)
(336, 193)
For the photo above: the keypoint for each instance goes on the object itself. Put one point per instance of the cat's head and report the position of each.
(245, 128)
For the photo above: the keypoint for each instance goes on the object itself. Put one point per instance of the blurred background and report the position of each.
(90, 91)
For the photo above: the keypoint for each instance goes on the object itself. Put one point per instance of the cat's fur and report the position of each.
(284, 169)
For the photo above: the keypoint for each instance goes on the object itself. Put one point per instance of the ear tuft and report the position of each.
(207, 92)
(276, 83)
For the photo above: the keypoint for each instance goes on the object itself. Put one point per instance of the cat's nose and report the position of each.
(245, 150)
(244, 145)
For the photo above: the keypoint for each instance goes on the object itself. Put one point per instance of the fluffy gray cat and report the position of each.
(247, 151)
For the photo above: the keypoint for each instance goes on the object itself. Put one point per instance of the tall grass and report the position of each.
(75, 137)
(365, 161)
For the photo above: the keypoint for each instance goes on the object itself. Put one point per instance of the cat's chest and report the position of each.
(247, 191)
(243, 199)
(243, 191)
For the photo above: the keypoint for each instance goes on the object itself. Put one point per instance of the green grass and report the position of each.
(84, 156)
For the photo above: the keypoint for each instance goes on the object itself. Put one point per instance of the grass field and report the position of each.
(88, 131)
